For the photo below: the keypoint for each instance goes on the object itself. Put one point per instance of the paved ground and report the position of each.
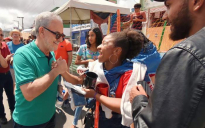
(64, 117)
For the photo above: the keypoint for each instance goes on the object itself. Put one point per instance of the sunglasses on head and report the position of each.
(58, 34)
(1, 34)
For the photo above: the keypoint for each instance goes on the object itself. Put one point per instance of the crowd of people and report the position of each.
(144, 90)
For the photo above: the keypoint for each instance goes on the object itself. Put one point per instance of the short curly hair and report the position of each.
(130, 41)
(138, 5)
(146, 40)
(98, 34)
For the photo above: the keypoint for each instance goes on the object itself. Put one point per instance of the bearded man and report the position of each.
(178, 98)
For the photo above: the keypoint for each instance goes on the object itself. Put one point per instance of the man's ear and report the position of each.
(165, 16)
(197, 5)
(40, 31)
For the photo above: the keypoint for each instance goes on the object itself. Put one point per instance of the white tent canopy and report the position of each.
(80, 10)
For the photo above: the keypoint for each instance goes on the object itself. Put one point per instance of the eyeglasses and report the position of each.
(58, 34)
(2, 35)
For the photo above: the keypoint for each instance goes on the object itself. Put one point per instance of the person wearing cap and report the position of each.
(7, 39)
(6, 82)
(13, 46)
(136, 18)
(178, 98)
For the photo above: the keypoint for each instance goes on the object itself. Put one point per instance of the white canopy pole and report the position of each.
(71, 25)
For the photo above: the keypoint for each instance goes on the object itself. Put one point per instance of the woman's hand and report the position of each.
(90, 93)
(54, 64)
(90, 60)
(11, 60)
(8, 57)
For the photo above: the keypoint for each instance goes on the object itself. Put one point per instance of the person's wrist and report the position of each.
(56, 71)
(95, 95)
(61, 73)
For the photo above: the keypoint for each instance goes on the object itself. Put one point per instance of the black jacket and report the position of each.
(178, 99)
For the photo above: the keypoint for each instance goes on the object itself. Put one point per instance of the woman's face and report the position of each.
(106, 49)
(137, 10)
(92, 37)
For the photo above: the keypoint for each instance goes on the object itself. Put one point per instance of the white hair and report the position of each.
(44, 19)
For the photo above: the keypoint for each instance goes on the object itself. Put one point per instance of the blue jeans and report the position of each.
(78, 111)
(114, 122)
(49, 124)
(6, 83)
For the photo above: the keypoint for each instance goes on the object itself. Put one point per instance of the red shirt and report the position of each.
(123, 83)
(63, 49)
(4, 52)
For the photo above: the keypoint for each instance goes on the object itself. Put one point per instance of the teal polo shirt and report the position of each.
(30, 63)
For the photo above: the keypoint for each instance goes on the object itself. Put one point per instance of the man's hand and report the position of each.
(136, 91)
(61, 66)
(8, 57)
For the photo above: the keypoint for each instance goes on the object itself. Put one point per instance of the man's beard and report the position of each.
(48, 46)
(181, 24)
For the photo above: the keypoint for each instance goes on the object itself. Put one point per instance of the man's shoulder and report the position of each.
(67, 41)
(23, 50)
(4, 44)
(194, 45)
(9, 43)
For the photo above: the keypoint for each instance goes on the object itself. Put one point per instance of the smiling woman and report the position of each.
(114, 69)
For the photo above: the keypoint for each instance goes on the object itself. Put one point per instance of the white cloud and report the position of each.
(11, 9)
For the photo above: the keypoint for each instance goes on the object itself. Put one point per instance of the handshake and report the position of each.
(60, 66)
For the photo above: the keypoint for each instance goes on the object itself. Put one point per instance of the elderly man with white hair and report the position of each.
(36, 81)
(13, 46)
